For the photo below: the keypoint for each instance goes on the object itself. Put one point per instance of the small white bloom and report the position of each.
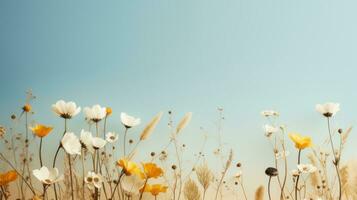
(66, 110)
(111, 137)
(129, 121)
(238, 174)
(98, 142)
(270, 113)
(295, 172)
(306, 168)
(93, 180)
(86, 140)
(269, 130)
(282, 154)
(71, 144)
(328, 109)
(47, 176)
(95, 113)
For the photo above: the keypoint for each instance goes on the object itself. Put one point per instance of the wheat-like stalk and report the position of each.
(259, 193)
(191, 191)
(184, 121)
(150, 127)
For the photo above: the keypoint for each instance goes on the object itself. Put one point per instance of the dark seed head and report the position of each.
(271, 171)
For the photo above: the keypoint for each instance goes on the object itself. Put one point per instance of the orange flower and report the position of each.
(129, 167)
(109, 111)
(154, 189)
(151, 170)
(7, 177)
(301, 142)
(27, 108)
(41, 130)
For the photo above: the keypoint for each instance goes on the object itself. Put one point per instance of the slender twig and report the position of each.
(298, 176)
(269, 187)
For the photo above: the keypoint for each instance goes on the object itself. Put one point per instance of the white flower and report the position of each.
(269, 130)
(66, 110)
(295, 172)
(269, 113)
(282, 154)
(111, 137)
(93, 179)
(132, 184)
(328, 109)
(86, 140)
(129, 121)
(98, 142)
(71, 144)
(306, 168)
(47, 176)
(96, 113)
(238, 174)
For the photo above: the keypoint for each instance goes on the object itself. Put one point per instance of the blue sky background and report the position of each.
(142, 57)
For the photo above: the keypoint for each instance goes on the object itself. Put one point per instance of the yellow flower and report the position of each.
(301, 142)
(108, 110)
(151, 170)
(128, 167)
(41, 130)
(27, 108)
(7, 177)
(154, 189)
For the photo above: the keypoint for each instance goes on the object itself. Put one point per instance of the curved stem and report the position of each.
(142, 191)
(40, 152)
(70, 175)
(121, 175)
(336, 161)
(55, 158)
(298, 177)
(269, 188)
(124, 145)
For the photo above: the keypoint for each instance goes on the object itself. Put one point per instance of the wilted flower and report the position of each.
(154, 189)
(271, 171)
(41, 130)
(129, 121)
(71, 144)
(301, 142)
(129, 167)
(47, 176)
(7, 177)
(328, 109)
(151, 170)
(95, 113)
(66, 110)
(269, 113)
(93, 180)
(306, 168)
(111, 137)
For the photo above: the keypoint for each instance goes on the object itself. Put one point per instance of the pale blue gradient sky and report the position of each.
(145, 56)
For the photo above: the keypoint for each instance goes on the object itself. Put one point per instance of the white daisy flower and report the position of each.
(328, 109)
(129, 121)
(98, 143)
(306, 168)
(66, 110)
(269, 130)
(93, 180)
(47, 176)
(71, 144)
(86, 140)
(95, 113)
(111, 137)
